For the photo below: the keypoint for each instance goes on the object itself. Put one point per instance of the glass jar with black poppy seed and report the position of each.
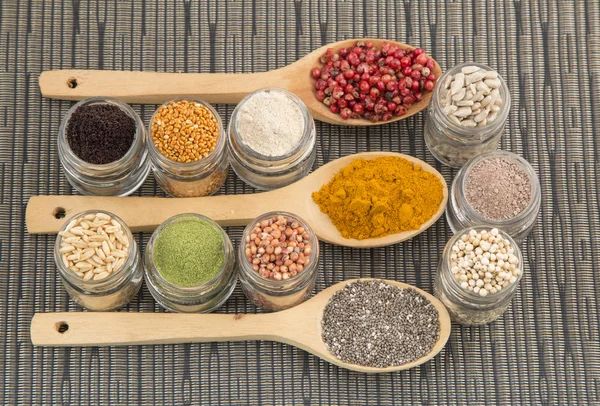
(101, 147)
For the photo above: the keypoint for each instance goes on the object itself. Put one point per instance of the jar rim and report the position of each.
(74, 279)
(272, 284)
(475, 297)
(475, 135)
(205, 286)
(140, 134)
(252, 157)
(534, 202)
(199, 164)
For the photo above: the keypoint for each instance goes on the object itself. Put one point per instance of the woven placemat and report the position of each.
(544, 350)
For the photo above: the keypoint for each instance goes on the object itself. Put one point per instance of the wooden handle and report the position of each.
(47, 214)
(157, 87)
(123, 328)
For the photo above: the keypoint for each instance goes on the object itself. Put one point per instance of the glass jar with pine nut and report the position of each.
(188, 148)
(453, 144)
(98, 260)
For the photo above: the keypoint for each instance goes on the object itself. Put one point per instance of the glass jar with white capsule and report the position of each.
(478, 275)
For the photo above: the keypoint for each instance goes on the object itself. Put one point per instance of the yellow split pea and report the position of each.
(185, 131)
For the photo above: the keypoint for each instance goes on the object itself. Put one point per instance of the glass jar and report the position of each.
(107, 294)
(267, 172)
(203, 298)
(119, 178)
(275, 295)
(460, 214)
(466, 307)
(452, 144)
(194, 179)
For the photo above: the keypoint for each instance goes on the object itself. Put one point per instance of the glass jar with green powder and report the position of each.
(190, 264)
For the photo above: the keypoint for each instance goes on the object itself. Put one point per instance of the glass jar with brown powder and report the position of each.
(101, 146)
(499, 189)
(187, 147)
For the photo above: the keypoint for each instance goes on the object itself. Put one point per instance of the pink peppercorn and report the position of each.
(375, 84)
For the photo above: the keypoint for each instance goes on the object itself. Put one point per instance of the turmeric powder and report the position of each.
(381, 196)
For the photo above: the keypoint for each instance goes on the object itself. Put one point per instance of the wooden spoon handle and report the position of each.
(124, 328)
(156, 87)
(47, 214)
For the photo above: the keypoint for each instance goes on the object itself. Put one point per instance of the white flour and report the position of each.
(271, 123)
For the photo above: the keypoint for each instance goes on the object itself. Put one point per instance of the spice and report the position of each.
(484, 262)
(94, 246)
(376, 84)
(375, 324)
(100, 133)
(189, 252)
(184, 131)
(472, 97)
(278, 248)
(271, 123)
(381, 196)
(498, 188)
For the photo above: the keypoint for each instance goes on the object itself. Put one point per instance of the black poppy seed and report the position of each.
(100, 133)
(372, 323)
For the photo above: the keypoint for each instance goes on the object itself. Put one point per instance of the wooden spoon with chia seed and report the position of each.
(299, 326)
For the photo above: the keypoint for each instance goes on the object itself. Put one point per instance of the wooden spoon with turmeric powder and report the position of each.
(46, 214)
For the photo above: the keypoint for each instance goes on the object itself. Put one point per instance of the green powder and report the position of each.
(189, 252)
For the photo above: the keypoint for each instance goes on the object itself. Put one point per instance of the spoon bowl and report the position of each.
(47, 214)
(159, 87)
(299, 326)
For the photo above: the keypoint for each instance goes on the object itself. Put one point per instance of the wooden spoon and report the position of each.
(159, 87)
(147, 213)
(299, 326)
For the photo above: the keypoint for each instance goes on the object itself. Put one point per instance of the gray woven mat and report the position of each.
(544, 350)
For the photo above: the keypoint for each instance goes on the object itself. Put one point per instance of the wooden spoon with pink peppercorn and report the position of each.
(159, 87)
(299, 326)
(46, 214)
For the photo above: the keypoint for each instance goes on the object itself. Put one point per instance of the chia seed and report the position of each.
(374, 324)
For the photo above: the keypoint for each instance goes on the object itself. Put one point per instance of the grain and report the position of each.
(184, 131)
(90, 260)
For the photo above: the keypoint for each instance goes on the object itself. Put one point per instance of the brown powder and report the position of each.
(498, 189)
